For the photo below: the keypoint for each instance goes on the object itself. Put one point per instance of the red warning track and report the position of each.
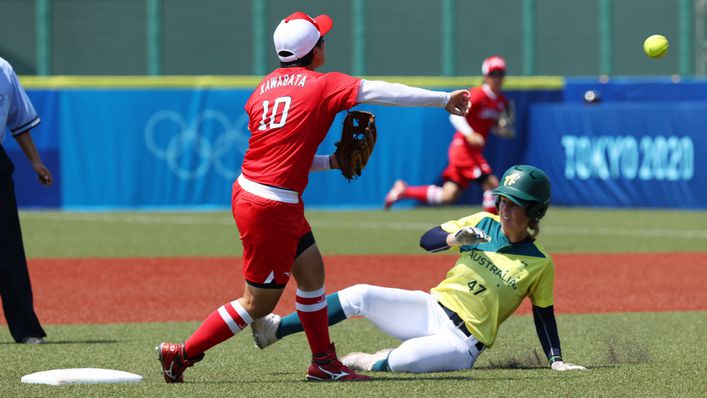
(112, 290)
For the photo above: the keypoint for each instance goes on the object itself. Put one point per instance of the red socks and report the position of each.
(416, 192)
(220, 326)
(312, 311)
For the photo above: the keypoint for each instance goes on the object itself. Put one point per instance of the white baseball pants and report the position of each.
(431, 342)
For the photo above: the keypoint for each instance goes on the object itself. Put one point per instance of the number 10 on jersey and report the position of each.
(271, 120)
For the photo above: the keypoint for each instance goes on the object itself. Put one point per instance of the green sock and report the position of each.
(291, 324)
(381, 366)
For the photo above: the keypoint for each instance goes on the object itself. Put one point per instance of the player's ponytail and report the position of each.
(534, 225)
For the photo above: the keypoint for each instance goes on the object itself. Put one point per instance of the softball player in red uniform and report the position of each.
(466, 159)
(290, 112)
(500, 264)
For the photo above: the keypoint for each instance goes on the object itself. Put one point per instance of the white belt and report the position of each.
(268, 192)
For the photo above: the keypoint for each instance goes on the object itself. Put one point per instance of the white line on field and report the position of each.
(641, 232)
(208, 219)
(130, 218)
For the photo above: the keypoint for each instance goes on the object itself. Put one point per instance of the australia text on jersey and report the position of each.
(280, 81)
(500, 273)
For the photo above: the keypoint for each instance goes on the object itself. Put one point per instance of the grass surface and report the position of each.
(64, 234)
(641, 354)
(634, 354)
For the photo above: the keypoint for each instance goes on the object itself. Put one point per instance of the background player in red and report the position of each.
(290, 113)
(466, 159)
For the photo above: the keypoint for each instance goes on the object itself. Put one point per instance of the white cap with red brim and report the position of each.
(297, 35)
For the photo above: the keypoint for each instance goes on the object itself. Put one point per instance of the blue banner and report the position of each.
(151, 148)
(622, 154)
(163, 148)
(182, 148)
(648, 89)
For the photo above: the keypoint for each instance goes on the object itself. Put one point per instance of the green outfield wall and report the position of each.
(382, 37)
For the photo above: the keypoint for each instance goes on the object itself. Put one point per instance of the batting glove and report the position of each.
(471, 236)
(561, 366)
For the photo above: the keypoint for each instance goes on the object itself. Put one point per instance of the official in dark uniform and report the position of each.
(17, 115)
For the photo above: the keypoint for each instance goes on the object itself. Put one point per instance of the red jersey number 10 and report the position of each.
(280, 105)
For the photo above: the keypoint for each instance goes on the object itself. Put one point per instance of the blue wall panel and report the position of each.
(623, 155)
(162, 148)
(623, 89)
(156, 148)
(140, 148)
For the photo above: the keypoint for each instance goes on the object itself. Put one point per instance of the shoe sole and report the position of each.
(316, 379)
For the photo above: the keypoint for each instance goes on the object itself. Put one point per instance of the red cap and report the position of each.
(493, 63)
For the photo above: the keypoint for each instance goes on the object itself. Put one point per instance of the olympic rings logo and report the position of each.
(192, 148)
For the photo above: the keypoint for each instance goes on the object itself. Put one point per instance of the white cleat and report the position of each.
(364, 361)
(394, 194)
(264, 329)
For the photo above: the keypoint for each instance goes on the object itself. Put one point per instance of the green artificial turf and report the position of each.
(67, 234)
(630, 355)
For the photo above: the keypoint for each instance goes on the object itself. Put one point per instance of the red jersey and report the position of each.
(290, 113)
(485, 106)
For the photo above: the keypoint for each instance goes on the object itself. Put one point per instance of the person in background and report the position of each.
(18, 116)
(466, 162)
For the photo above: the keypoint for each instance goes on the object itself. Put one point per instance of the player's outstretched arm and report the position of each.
(546, 327)
(435, 240)
(378, 92)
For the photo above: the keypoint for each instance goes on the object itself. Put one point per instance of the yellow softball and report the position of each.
(656, 46)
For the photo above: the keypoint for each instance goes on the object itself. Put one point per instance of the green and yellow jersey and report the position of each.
(490, 280)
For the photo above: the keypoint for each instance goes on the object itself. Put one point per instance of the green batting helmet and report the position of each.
(526, 186)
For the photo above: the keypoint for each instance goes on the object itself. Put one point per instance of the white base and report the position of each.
(59, 377)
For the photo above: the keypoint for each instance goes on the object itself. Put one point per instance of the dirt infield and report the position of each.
(113, 290)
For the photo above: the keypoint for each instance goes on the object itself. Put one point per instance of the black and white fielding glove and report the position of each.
(470, 236)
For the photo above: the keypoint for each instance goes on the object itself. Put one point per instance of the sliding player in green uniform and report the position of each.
(500, 263)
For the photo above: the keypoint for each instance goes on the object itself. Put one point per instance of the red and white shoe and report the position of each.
(174, 361)
(327, 367)
(394, 194)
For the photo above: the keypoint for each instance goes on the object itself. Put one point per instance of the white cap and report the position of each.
(493, 63)
(297, 35)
